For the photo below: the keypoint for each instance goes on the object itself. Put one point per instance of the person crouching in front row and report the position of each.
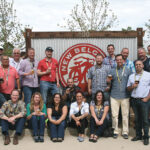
(12, 115)
(79, 110)
(36, 114)
(57, 112)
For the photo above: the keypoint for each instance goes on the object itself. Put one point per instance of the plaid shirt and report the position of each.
(110, 61)
(10, 109)
(98, 77)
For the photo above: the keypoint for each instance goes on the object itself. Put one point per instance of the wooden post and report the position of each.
(139, 37)
(28, 38)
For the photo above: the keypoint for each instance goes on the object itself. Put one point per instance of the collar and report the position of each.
(139, 73)
(98, 67)
(46, 60)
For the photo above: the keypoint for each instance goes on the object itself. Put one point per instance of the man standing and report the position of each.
(97, 76)
(139, 85)
(129, 64)
(48, 72)
(119, 96)
(148, 51)
(1, 53)
(110, 60)
(16, 60)
(146, 61)
(28, 73)
(8, 76)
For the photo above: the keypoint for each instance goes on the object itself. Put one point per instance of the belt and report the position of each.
(138, 98)
(53, 82)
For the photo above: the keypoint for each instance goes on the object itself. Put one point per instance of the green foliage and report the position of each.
(91, 15)
(128, 29)
(11, 31)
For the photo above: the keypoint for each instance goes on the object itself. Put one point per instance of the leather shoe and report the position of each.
(136, 138)
(15, 139)
(146, 141)
(7, 140)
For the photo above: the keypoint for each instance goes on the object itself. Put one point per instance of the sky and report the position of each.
(44, 15)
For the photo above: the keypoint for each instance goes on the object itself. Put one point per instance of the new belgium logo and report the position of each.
(75, 62)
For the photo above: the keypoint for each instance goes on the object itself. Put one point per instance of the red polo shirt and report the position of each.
(43, 66)
(9, 85)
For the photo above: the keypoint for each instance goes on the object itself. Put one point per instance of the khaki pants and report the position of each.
(115, 105)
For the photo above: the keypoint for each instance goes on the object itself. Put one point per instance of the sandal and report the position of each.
(91, 138)
(95, 139)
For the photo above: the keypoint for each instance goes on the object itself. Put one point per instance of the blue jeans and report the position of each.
(141, 111)
(38, 125)
(2, 99)
(57, 131)
(19, 125)
(28, 91)
(97, 130)
(45, 86)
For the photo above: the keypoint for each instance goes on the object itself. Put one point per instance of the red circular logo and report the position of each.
(75, 62)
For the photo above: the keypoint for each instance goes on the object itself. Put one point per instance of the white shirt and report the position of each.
(143, 88)
(15, 64)
(75, 109)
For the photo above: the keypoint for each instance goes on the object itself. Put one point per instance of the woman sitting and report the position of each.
(57, 113)
(36, 114)
(99, 116)
(79, 110)
(12, 115)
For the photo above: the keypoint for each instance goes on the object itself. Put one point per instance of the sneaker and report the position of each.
(125, 136)
(115, 136)
(59, 140)
(41, 138)
(54, 139)
(36, 138)
(81, 139)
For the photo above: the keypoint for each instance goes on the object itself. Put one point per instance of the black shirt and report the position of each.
(56, 113)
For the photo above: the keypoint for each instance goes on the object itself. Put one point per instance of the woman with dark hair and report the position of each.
(57, 113)
(99, 116)
(79, 110)
(36, 114)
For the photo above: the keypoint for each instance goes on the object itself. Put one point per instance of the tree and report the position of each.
(11, 31)
(148, 28)
(128, 29)
(91, 15)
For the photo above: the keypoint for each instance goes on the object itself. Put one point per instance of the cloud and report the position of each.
(44, 15)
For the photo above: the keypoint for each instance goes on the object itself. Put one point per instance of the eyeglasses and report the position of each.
(16, 53)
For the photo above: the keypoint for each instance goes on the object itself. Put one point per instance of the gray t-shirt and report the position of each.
(99, 113)
(119, 89)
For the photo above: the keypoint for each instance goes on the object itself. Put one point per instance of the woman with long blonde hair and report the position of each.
(36, 114)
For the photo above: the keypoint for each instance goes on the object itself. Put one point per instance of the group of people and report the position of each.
(113, 82)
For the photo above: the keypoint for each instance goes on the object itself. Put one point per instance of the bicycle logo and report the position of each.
(75, 62)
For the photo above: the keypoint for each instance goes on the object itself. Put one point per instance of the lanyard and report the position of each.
(139, 77)
(99, 109)
(49, 66)
(16, 64)
(6, 75)
(121, 74)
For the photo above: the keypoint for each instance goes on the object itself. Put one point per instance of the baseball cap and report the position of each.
(1, 48)
(49, 49)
